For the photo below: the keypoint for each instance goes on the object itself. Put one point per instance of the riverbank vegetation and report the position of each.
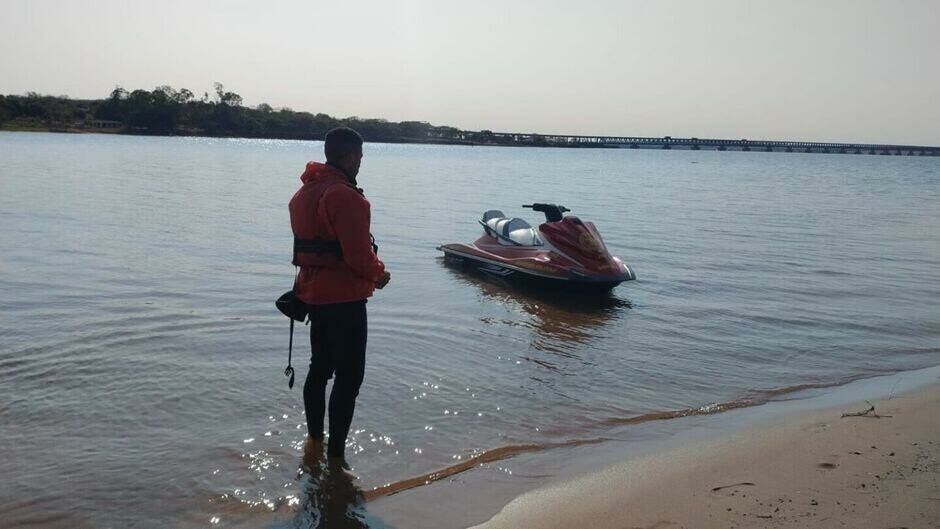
(168, 111)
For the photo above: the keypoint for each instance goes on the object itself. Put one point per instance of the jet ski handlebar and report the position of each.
(553, 212)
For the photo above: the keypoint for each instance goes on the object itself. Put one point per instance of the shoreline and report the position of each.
(664, 143)
(506, 452)
(530, 482)
(805, 468)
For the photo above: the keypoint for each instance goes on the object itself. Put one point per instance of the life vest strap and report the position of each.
(317, 246)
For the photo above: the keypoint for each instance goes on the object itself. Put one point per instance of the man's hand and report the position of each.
(386, 277)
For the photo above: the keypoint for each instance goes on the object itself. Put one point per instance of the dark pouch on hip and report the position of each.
(295, 310)
(291, 306)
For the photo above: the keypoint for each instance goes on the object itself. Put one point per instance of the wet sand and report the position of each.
(811, 469)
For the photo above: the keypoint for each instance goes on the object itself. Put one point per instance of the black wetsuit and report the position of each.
(338, 347)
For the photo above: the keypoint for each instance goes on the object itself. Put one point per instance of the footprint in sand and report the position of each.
(818, 427)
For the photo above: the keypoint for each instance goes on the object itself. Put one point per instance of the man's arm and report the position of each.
(350, 217)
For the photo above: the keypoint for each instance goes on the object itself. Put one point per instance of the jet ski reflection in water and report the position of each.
(562, 321)
(564, 252)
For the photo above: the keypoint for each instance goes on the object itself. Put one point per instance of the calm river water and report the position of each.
(141, 356)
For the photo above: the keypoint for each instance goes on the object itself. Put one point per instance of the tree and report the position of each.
(227, 98)
(168, 91)
(112, 108)
(4, 112)
(155, 111)
(118, 93)
(184, 96)
(415, 129)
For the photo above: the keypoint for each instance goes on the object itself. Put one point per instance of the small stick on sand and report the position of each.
(716, 489)
(870, 412)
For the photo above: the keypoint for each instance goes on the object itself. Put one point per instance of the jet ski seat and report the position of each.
(493, 214)
(510, 230)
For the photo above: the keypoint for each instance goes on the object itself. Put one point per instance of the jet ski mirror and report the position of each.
(553, 212)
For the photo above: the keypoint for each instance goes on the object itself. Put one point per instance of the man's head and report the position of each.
(343, 149)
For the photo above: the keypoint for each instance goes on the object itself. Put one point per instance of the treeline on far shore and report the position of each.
(168, 111)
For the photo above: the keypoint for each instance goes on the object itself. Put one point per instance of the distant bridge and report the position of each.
(667, 142)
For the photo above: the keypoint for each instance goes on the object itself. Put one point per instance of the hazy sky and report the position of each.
(849, 70)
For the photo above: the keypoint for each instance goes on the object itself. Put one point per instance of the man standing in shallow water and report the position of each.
(339, 270)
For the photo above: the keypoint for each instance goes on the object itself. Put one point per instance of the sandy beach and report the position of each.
(815, 469)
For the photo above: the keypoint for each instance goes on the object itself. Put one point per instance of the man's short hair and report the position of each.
(341, 142)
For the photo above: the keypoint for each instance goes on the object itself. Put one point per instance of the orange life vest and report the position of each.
(330, 219)
(311, 247)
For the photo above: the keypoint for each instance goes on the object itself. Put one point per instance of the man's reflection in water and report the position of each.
(331, 499)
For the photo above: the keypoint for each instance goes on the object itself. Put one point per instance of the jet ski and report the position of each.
(563, 252)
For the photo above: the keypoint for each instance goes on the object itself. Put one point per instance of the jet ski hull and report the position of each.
(537, 267)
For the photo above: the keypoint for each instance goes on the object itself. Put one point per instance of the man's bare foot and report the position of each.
(339, 464)
(313, 453)
(313, 443)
